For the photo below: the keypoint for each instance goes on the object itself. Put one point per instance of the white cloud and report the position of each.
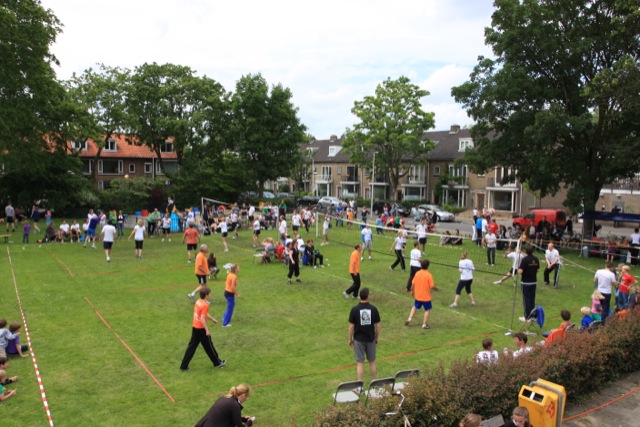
(329, 53)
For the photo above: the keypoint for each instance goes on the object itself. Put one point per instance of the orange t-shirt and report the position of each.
(422, 285)
(202, 265)
(191, 234)
(200, 309)
(354, 262)
(228, 286)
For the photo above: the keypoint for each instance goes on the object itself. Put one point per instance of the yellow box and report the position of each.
(545, 401)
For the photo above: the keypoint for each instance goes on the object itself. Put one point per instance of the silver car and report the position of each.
(325, 202)
(442, 214)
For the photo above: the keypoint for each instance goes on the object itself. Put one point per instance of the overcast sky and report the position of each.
(329, 53)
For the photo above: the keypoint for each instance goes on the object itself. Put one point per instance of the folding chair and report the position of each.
(379, 388)
(402, 377)
(536, 317)
(497, 421)
(348, 392)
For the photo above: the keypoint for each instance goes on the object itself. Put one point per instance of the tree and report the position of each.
(266, 130)
(392, 125)
(560, 103)
(170, 102)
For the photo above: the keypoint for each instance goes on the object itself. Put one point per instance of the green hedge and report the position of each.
(581, 362)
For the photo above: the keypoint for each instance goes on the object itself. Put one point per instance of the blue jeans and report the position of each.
(231, 303)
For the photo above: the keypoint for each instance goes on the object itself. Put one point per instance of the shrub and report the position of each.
(581, 362)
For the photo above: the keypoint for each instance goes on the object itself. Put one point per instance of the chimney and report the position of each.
(454, 129)
(333, 138)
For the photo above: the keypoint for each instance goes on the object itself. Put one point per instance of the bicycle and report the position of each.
(406, 422)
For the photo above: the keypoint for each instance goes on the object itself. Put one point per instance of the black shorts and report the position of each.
(139, 244)
(10, 219)
(256, 232)
(166, 231)
(225, 234)
(296, 227)
(107, 245)
(202, 279)
(192, 246)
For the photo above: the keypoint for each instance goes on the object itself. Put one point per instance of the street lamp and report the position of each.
(373, 180)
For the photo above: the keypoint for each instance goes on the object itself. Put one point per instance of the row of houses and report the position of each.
(334, 175)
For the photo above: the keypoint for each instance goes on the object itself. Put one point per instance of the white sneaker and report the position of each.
(497, 282)
(361, 258)
(454, 305)
(473, 303)
(226, 250)
(370, 258)
(345, 295)
(191, 297)
(108, 259)
(522, 319)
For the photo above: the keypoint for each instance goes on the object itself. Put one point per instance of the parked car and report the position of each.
(442, 214)
(307, 201)
(378, 207)
(325, 202)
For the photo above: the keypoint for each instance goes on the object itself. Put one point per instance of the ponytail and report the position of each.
(238, 391)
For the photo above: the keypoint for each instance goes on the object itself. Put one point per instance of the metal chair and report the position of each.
(401, 378)
(348, 392)
(379, 388)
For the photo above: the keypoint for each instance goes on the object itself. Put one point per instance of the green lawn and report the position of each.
(109, 337)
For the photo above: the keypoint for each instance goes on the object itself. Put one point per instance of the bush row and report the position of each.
(581, 362)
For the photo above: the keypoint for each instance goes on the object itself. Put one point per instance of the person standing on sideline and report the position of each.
(466, 267)
(166, 227)
(325, 230)
(227, 411)
(489, 241)
(605, 281)
(367, 241)
(293, 254)
(354, 270)
(230, 294)
(200, 333)
(11, 217)
(528, 271)
(108, 236)
(635, 244)
(421, 231)
(192, 237)
(552, 259)
(398, 245)
(364, 333)
(120, 224)
(202, 271)
(421, 292)
(138, 236)
(282, 229)
(414, 264)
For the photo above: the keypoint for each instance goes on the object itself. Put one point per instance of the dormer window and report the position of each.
(333, 150)
(110, 145)
(464, 144)
(167, 147)
(79, 145)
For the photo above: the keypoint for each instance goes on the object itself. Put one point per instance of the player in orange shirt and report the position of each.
(354, 270)
(230, 294)
(202, 271)
(200, 333)
(192, 237)
(421, 292)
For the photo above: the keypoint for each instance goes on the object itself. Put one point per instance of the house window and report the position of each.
(339, 170)
(110, 167)
(169, 167)
(147, 168)
(167, 147)
(132, 168)
(87, 167)
(101, 185)
(333, 150)
(326, 172)
(436, 170)
(110, 145)
(79, 145)
(464, 144)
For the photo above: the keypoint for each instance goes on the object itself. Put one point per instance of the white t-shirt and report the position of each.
(325, 226)
(75, 226)
(252, 210)
(223, 226)
(283, 227)
(466, 268)
(108, 233)
(398, 243)
(421, 230)
(516, 258)
(522, 351)
(366, 234)
(64, 228)
(605, 279)
(489, 357)
(490, 239)
(256, 225)
(415, 257)
(139, 232)
(296, 220)
(552, 256)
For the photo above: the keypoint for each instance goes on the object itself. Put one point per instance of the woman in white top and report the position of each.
(138, 235)
(466, 268)
(414, 264)
(398, 245)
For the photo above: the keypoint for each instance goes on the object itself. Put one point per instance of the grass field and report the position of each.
(108, 337)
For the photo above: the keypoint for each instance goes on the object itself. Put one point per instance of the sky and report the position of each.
(329, 54)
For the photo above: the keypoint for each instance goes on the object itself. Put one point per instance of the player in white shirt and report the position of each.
(256, 233)
(235, 225)
(466, 267)
(325, 230)
(296, 221)
(421, 231)
(108, 236)
(307, 218)
(414, 264)
(282, 228)
(223, 228)
(516, 259)
(367, 241)
(138, 233)
(552, 258)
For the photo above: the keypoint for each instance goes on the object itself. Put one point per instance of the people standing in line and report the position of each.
(421, 292)
(528, 271)
(138, 233)
(200, 333)
(192, 237)
(201, 270)
(227, 411)
(108, 236)
(293, 255)
(325, 230)
(466, 267)
(605, 281)
(354, 271)
(516, 258)
(364, 333)
(489, 241)
(415, 257)
(552, 259)
(230, 294)
(398, 246)
(166, 227)
(367, 241)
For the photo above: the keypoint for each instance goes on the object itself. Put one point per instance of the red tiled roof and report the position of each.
(125, 149)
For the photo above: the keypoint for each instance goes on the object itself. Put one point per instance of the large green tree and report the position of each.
(392, 125)
(266, 130)
(560, 102)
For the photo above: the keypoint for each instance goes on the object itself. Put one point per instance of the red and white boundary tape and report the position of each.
(45, 402)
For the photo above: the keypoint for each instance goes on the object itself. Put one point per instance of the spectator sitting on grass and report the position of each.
(587, 320)
(4, 394)
(13, 345)
(520, 340)
(566, 317)
(4, 364)
(488, 355)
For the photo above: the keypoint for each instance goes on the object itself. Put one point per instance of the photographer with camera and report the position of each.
(227, 411)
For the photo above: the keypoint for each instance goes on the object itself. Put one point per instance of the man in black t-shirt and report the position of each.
(364, 331)
(528, 271)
